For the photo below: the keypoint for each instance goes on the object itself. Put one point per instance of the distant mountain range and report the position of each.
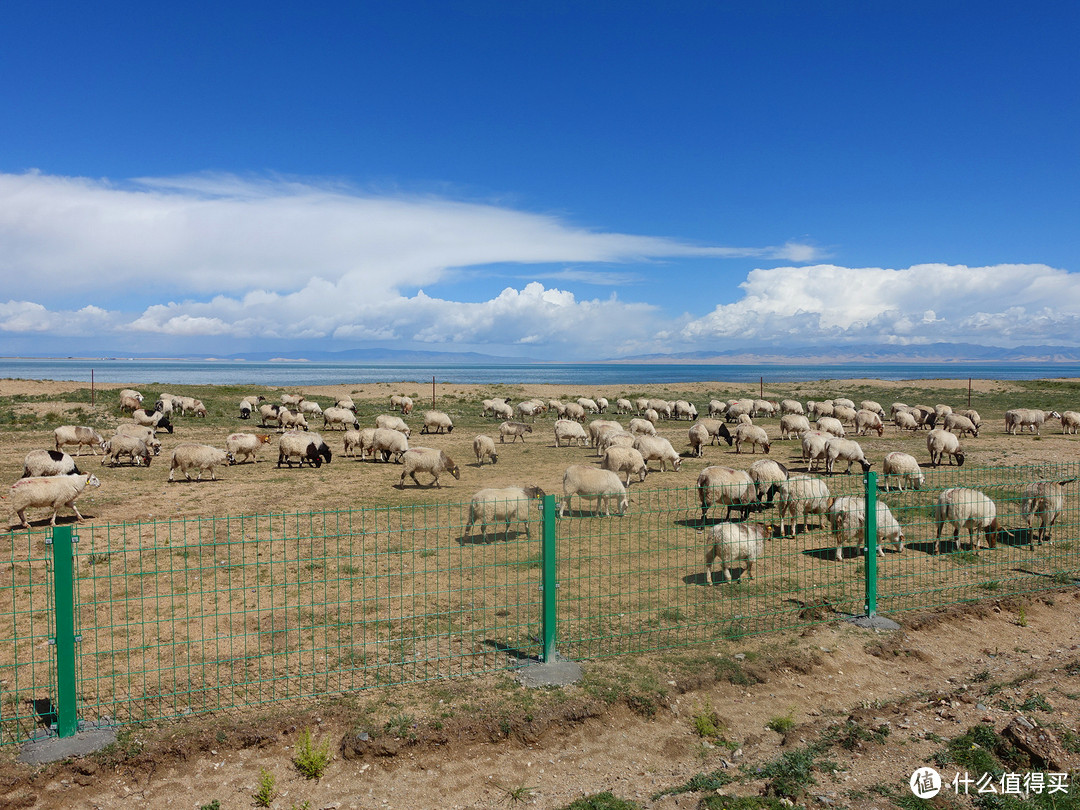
(390, 356)
(927, 353)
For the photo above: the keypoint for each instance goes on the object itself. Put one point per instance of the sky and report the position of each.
(552, 180)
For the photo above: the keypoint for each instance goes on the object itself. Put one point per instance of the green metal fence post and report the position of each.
(64, 599)
(870, 481)
(548, 584)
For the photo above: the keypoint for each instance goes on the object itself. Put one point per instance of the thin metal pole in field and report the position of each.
(433, 391)
(969, 393)
(91, 388)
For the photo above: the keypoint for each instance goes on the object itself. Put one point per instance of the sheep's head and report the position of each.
(959, 459)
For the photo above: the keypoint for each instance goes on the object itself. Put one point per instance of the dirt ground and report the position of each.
(944, 672)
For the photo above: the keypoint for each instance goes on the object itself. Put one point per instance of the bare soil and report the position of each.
(487, 741)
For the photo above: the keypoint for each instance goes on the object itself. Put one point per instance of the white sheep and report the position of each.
(904, 468)
(436, 422)
(768, 475)
(803, 495)
(502, 410)
(905, 421)
(291, 421)
(716, 407)
(43, 463)
(387, 442)
(310, 407)
(652, 416)
(684, 410)
(699, 437)
(365, 442)
(941, 443)
(292, 400)
(270, 412)
(407, 405)
(304, 447)
(50, 491)
(484, 447)
(830, 424)
(602, 404)
(642, 427)
(659, 449)
(873, 407)
(843, 402)
(336, 416)
(133, 447)
(352, 443)
(729, 543)
(1070, 421)
(813, 447)
(505, 505)
(78, 435)
(567, 430)
(130, 404)
(623, 406)
(662, 407)
(867, 420)
(529, 408)
(140, 432)
(763, 407)
(245, 446)
(245, 409)
(574, 411)
(346, 403)
(1043, 500)
(558, 406)
(844, 450)
(717, 429)
(626, 460)
(844, 414)
(131, 393)
(960, 424)
(793, 424)
(1020, 418)
(791, 406)
(615, 438)
(848, 518)
(589, 483)
(387, 420)
(428, 460)
(641, 404)
(819, 409)
(970, 509)
(597, 427)
(725, 486)
(751, 435)
(588, 404)
(514, 430)
(737, 409)
(198, 457)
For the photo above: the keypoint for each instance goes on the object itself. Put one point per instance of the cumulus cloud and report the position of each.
(1006, 304)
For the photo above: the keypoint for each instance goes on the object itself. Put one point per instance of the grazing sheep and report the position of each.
(362, 441)
(924, 415)
(729, 543)
(848, 518)
(199, 457)
(843, 402)
(791, 406)
(718, 430)
(844, 450)
(1020, 418)
(43, 463)
(78, 435)
(751, 435)
(819, 409)
(684, 410)
(245, 409)
(386, 420)
(768, 475)
(641, 404)
(763, 407)
(589, 483)
(615, 438)
(407, 406)
(831, 425)
(435, 422)
(793, 424)
(346, 403)
(658, 448)
(244, 446)
(129, 404)
(905, 468)
(133, 447)
(602, 404)
(623, 406)
(970, 509)
(725, 486)
(642, 427)
(873, 407)
(813, 447)
(305, 447)
(699, 437)
(973, 415)
(588, 404)
(395, 402)
(867, 420)
(941, 443)
(484, 447)
(802, 495)
(662, 407)
(1070, 421)
(335, 416)
(1043, 500)
(425, 459)
(351, 443)
(737, 409)
(155, 419)
(291, 400)
(626, 460)
(574, 411)
(717, 408)
(387, 442)
(269, 412)
(597, 427)
(498, 408)
(310, 407)
(131, 393)
(140, 432)
(506, 505)
(652, 416)
(558, 406)
(567, 430)
(514, 430)
(528, 408)
(960, 425)
(844, 414)
(905, 421)
(50, 491)
(291, 421)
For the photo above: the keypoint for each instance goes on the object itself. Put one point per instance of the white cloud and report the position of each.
(1007, 304)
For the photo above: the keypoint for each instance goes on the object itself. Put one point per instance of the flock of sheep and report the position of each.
(625, 452)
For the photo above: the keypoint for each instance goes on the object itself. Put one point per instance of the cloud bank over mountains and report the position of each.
(228, 260)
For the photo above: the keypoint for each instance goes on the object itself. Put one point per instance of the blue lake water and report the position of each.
(222, 372)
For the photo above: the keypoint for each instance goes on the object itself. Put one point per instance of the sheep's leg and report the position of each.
(22, 518)
(74, 509)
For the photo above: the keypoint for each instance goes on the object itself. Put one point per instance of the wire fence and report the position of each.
(186, 616)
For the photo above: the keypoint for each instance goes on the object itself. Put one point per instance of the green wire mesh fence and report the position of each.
(188, 616)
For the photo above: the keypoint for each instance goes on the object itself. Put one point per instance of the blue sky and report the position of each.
(552, 180)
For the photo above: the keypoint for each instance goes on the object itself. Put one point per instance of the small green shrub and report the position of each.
(211, 805)
(782, 724)
(266, 790)
(311, 759)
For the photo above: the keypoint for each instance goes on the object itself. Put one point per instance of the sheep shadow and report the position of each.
(496, 536)
(43, 523)
(701, 578)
